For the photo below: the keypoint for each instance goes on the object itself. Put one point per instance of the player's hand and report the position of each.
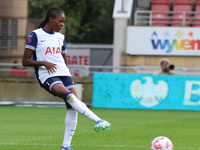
(51, 67)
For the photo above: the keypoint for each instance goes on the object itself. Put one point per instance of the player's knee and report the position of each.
(59, 90)
(60, 94)
(68, 106)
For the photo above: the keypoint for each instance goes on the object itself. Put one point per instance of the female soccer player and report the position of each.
(46, 50)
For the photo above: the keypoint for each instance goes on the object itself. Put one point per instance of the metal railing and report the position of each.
(145, 17)
(6, 68)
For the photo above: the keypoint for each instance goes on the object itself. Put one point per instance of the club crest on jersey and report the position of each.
(53, 50)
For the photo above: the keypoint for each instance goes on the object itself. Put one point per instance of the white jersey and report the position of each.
(48, 47)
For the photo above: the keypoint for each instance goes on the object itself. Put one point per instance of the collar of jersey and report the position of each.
(48, 32)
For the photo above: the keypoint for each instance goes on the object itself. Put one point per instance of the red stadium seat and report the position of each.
(197, 6)
(177, 20)
(160, 7)
(160, 2)
(196, 17)
(198, 2)
(190, 2)
(159, 19)
(196, 20)
(181, 6)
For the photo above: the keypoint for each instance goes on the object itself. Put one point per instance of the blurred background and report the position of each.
(112, 36)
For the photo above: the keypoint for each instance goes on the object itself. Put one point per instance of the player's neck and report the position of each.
(47, 28)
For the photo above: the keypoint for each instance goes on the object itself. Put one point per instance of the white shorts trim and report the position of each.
(56, 82)
(70, 86)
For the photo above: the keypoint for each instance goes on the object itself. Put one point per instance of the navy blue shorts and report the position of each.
(65, 80)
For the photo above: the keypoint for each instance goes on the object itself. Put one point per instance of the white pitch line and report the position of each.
(30, 144)
(128, 146)
(123, 146)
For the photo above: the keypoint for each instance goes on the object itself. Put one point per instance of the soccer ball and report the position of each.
(161, 143)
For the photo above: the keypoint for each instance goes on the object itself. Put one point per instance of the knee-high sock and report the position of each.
(70, 126)
(81, 107)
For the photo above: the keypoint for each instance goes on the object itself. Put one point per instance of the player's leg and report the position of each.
(79, 106)
(101, 124)
(70, 127)
(75, 103)
(71, 116)
(70, 124)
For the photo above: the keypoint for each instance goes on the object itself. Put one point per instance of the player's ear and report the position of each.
(50, 19)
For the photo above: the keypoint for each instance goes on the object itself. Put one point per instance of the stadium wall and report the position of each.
(137, 91)
(13, 24)
(26, 89)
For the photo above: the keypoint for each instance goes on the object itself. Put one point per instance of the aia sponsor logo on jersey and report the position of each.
(53, 50)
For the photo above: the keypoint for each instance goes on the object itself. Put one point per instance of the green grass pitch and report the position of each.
(33, 128)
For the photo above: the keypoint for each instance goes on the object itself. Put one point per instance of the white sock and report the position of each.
(81, 107)
(70, 126)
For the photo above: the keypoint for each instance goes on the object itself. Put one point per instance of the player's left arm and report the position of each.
(64, 51)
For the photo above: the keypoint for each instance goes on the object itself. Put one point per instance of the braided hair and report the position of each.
(53, 13)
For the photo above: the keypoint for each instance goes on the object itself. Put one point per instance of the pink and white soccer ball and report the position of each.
(161, 143)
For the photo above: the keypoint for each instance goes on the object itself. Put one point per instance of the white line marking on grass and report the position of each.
(123, 146)
(27, 144)
(129, 146)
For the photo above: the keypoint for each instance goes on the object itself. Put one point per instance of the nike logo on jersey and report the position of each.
(53, 50)
(43, 40)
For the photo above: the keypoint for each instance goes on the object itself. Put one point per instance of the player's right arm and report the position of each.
(28, 61)
(30, 48)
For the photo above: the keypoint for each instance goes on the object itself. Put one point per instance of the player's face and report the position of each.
(58, 23)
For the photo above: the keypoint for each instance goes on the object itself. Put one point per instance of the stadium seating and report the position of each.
(197, 2)
(183, 2)
(161, 1)
(197, 6)
(160, 7)
(196, 17)
(158, 18)
(181, 6)
(196, 20)
(186, 8)
(177, 20)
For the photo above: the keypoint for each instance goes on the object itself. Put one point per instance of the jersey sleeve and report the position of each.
(64, 47)
(31, 41)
